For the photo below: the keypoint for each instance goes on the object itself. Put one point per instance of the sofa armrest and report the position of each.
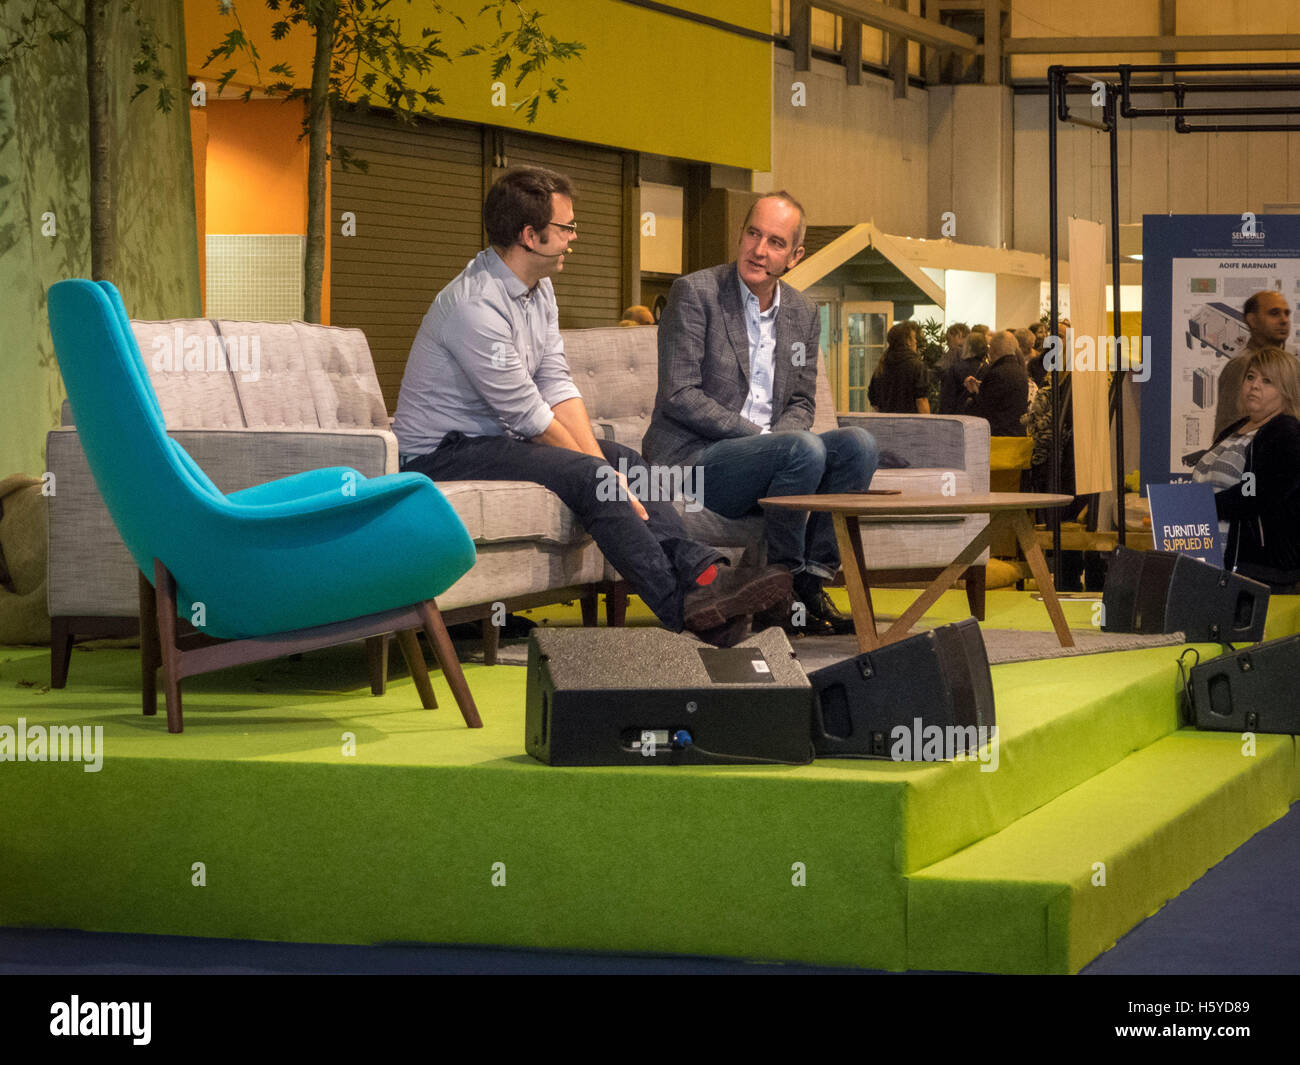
(240, 458)
(90, 571)
(932, 441)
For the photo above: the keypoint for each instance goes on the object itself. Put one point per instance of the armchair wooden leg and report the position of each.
(590, 601)
(377, 661)
(440, 640)
(61, 639)
(165, 590)
(491, 641)
(150, 651)
(410, 645)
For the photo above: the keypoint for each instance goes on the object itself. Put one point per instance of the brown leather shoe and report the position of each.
(727, 635)
(735, 592)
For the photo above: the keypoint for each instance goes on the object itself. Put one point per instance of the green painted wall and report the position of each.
(44, 168)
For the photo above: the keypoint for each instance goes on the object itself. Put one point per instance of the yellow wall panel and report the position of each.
(646, 81)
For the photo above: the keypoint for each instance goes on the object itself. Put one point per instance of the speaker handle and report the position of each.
(1184, 673)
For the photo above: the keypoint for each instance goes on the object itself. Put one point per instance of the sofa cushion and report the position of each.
(899, 544)
(617, 371)
(261, 375)
(498, 512)
(923, 481)
(276, 392)
(193, 398)
(342, 376)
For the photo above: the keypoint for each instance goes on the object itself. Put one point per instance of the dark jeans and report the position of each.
(739, 472)
(654, 556)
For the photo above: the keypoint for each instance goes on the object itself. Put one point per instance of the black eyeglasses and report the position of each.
(572, 227)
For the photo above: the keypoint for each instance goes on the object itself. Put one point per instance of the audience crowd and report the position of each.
(997, 375)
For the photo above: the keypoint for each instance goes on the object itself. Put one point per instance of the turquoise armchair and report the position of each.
(320, 558)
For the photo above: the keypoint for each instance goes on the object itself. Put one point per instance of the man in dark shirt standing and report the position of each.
(1001, 397)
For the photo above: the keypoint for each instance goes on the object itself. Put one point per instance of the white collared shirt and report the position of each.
(761, 327)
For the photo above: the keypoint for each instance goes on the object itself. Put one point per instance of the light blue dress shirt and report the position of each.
(487, 361)
(761, 326)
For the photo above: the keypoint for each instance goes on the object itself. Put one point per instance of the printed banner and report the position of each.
(1183, 520)
(1197, 271)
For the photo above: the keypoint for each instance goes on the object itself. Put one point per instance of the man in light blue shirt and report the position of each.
(487, 395)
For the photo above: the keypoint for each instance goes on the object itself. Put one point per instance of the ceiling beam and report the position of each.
(1273, 42)
(891, 20)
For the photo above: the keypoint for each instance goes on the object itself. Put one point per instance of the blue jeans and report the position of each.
(655, 557)
(739, 472)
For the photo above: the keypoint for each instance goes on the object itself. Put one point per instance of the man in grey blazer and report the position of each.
(737, 391)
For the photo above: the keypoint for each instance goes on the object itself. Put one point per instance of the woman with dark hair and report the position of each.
(901, 383)
(1254, 466)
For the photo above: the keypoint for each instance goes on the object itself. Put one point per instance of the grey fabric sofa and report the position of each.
(290, 397)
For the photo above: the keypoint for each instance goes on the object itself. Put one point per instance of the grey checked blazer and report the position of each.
(704, 366)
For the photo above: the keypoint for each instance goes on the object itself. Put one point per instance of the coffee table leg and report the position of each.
(855, 538)
(940, 584)
(1024, 530)
(855, 581)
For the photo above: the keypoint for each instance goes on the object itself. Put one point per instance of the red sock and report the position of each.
(707, 577)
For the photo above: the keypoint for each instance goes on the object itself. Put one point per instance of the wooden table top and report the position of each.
(919, 504)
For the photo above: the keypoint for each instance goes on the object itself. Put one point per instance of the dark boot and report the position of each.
(809, 590)
(735, 592)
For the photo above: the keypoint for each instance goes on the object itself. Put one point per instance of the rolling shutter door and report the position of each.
(418, 222)
(589, 290)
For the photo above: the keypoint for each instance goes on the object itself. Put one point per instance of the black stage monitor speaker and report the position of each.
(1252, 690)
(649, 697)
(1156, 591)
(933, 685)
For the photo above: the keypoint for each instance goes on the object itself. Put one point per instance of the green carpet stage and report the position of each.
(1100, 809)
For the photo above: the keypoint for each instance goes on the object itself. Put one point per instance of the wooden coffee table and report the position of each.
(1006, 510)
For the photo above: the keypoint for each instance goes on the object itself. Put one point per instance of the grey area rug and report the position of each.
(1002, 645)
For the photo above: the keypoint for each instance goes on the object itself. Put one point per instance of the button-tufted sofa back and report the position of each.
(261, 375)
